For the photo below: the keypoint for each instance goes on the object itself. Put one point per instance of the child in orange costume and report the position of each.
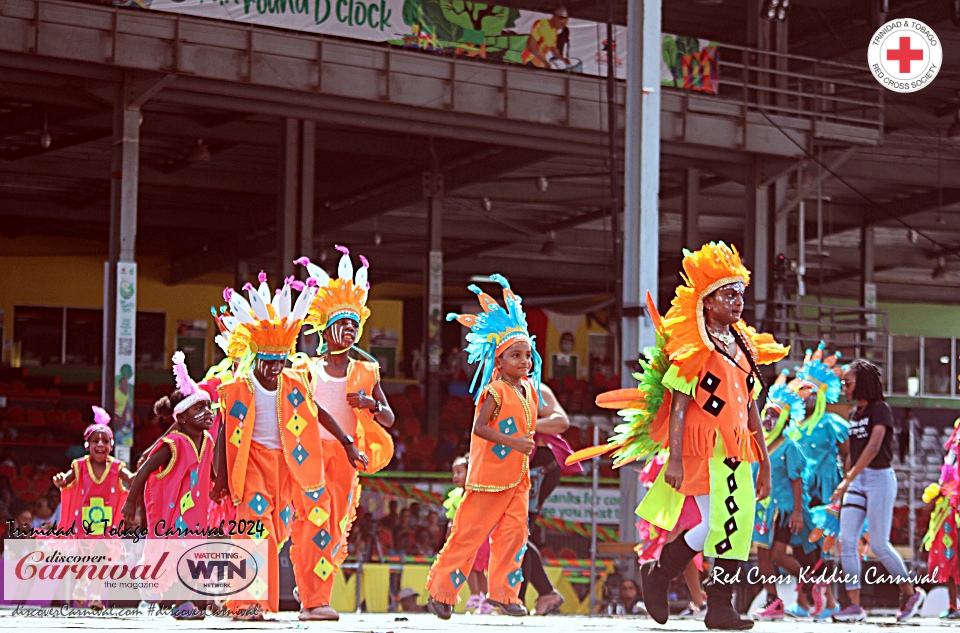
(498, 480)
(269, 450)
(350, 390)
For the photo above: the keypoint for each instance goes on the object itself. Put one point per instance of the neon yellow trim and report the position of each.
(673, 381)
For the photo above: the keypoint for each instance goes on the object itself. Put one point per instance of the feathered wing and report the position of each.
(638, 407)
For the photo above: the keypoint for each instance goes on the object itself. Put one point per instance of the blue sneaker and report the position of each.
(796, 611)
(827, 613)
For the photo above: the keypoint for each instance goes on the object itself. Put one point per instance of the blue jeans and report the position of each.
(870, 497)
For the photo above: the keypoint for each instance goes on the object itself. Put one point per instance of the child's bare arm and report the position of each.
(64, 479)
(481, 429)
(159, 459)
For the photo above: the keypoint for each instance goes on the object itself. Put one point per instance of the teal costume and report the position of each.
(787, 464)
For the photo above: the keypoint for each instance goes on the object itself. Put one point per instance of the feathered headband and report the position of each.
(101, 424)
(782, 397)
(494, 330)
(819, 374)
(265, 325)
(687, 344)
(343, 297)
(185, 384)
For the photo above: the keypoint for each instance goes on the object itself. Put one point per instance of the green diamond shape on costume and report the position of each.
(515, 577)
(508, 426)
(322, 539)
(947, 541)
(323, 568)
(296, 425)
(258, 504)
(194, 478)
(286, 515)
(257, 588)
(238, 411)
(501, 451)
(296, 398)
(186, 502)
(300, 454)
(343, 524)
(258, 536)
(235, 437)
(457, 578)
(318, 516)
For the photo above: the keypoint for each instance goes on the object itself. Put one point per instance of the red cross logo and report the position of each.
(905, 54)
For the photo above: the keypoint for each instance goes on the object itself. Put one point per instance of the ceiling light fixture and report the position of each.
(486, 203)
(775, 10)
(954, 132)
(45, 137)
(550, 246)
(543, 184)
(199, 153)
(377, 239)
(940, 270)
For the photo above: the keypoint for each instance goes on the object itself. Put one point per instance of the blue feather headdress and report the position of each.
(820, 373)
(494, 330)
(783, 397)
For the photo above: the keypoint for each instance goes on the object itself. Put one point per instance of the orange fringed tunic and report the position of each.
(719, 409)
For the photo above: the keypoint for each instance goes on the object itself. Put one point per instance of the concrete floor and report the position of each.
(395, 623)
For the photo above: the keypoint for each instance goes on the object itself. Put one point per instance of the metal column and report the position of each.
(289, 194)
(756, 244)
(641, 224)
(868, 289)
(120, 299)
(691, 209)
(433, 297)
(308, 174)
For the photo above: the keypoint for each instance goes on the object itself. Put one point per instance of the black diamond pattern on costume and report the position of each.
(709, 383)
(732, 506)
(723, 546)
(732, 483)
(730, 526)
(714, 405)
(750, 382)
(731, 463)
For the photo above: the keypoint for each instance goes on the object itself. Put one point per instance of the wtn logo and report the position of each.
(224, 569)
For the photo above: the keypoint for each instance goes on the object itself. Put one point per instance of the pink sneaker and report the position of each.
(773, 610)
(485, 607)
(475, 603)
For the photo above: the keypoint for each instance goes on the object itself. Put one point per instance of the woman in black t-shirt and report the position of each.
(868, 491)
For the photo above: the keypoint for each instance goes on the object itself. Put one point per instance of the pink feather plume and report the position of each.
(100, 416)
(262, 277)
(184, 382)
(342, 249)
(303, 261)
(227, 293)
(364, 262)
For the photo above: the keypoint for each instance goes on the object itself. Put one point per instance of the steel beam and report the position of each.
(641, 230)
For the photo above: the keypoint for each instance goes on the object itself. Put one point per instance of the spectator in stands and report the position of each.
(630, 598)
(43, 513)
(408, 601)
(54, 496)
(389, 520)
(868, 491)
(404, 535)
(431, 527)
(21, 514)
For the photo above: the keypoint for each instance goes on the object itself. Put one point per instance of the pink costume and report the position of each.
(178, 495)
(91, 502)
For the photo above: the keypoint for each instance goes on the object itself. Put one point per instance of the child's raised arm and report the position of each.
(483, 430)
(62, 480)
(159, 459)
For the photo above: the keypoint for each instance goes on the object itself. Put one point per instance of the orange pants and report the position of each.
(343, 490)
(273, 497)
(505, 515)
